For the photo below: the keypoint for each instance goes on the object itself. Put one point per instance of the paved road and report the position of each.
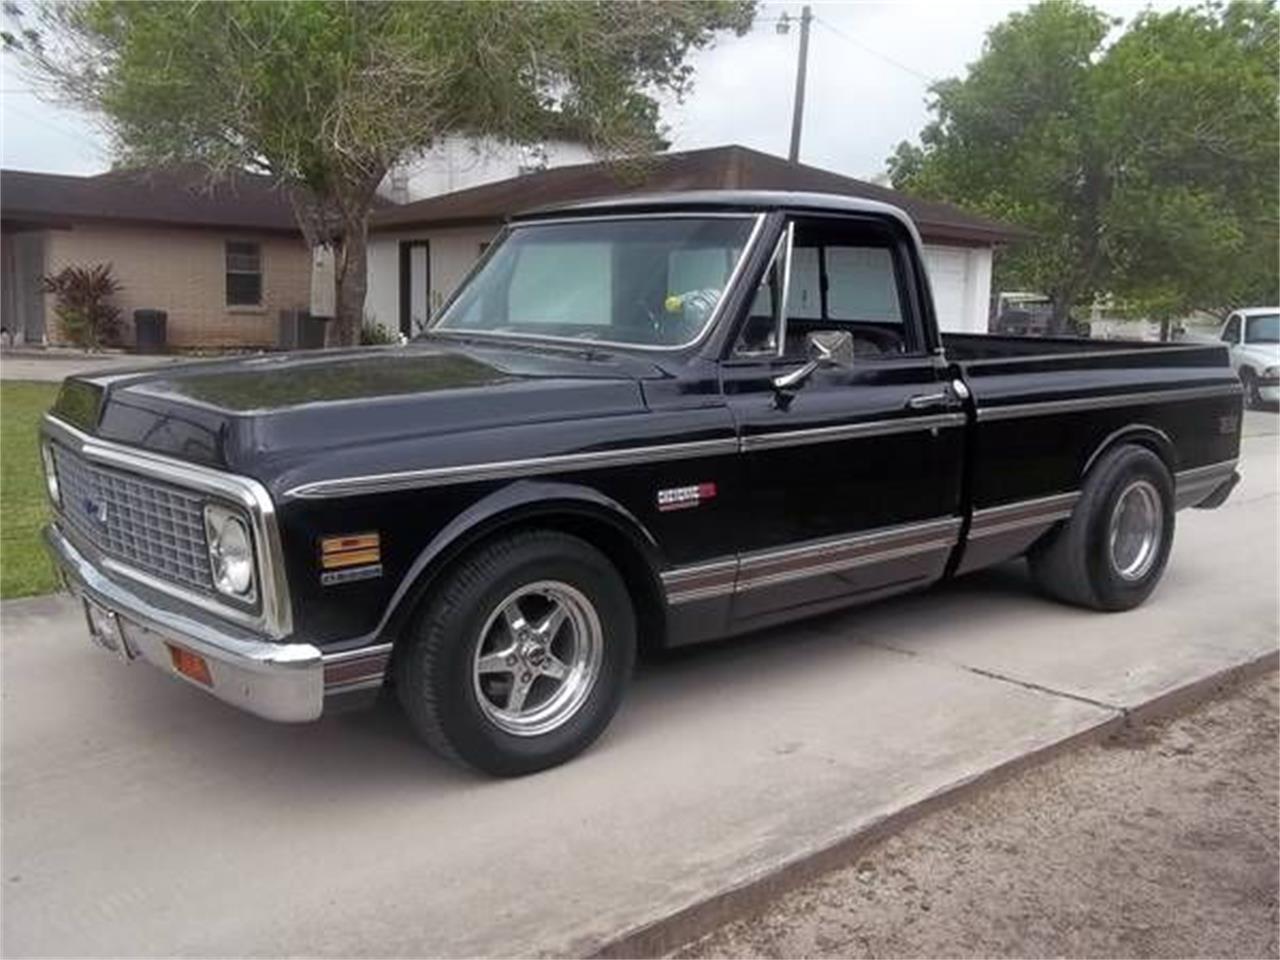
(142, 819)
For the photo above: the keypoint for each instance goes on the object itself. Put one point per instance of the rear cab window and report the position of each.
(844, 274)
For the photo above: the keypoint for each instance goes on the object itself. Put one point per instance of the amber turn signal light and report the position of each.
(353, 550)
(190, 665)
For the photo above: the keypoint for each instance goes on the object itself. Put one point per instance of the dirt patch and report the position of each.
(1162, 842)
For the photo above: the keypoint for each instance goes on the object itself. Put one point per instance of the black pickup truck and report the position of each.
(651, 421)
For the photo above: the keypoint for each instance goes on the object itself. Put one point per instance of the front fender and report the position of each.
(522, 502)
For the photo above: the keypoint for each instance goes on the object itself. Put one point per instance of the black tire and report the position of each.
(1074, 563)
(1252, 396)
(434, 670)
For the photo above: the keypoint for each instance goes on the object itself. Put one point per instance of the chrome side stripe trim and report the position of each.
(700, 582)
(1046, 407)
(767, 567)
(596, 460)
(1193, 485)
(1021, 514)
(510, 469)
(849, 431)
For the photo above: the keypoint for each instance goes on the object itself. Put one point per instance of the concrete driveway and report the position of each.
(140, 818)
(54, 365)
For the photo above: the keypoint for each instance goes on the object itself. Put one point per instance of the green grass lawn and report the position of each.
(24, 567)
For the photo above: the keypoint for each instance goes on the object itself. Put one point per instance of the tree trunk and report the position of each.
(1061, 314)
(352, 278)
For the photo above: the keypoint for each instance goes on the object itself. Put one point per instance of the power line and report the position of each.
(79, 138)
(875, 53)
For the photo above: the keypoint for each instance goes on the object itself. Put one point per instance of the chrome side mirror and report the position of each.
(826, 348)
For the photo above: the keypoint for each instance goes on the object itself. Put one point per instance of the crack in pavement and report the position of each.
(1004, 678)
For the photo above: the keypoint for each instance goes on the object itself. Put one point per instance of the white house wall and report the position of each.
(960, 276)
(961, 282)
(450, 252)
(457, 163)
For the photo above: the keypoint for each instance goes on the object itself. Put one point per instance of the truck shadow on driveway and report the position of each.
(372, 751)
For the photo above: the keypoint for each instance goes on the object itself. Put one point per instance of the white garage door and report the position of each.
(949, 276)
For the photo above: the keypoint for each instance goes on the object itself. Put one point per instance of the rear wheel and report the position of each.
(1112, 551)
(521, 658)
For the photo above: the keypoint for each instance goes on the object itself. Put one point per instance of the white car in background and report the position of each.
(1254, 337)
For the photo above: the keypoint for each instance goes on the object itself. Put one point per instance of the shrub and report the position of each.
(87, 318)
(375, 334)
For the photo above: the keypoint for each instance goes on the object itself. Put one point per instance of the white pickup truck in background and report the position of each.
(1254, 337)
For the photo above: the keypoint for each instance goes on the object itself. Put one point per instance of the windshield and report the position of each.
(645, 281)
(1263, 328)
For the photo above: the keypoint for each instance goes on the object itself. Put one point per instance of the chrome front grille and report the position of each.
(153, 527)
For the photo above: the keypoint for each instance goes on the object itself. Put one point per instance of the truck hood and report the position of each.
(1262, 354)
(250, 415)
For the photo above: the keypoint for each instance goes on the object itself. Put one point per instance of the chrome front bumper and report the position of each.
(279, 681)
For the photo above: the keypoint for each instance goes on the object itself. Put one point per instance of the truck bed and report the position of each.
(992, 346)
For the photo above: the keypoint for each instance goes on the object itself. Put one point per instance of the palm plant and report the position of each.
(87, 319)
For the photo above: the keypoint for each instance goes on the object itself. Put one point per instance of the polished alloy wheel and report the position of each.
(1137, 526)
(538, 657)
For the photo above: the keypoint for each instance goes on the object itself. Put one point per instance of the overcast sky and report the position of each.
(869, 66)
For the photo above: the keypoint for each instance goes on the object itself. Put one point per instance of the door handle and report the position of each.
(951, 395)
(927, 401)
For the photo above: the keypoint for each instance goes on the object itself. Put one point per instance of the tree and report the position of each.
(1145, 168)
(326, 96)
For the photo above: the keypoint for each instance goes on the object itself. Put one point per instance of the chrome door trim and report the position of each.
(276, 615)
(846, 431)
(510, 469)
(767, 567)
(764, 568)
(1041, 511)
(730, 283)
(1047, 407)
(702, 581)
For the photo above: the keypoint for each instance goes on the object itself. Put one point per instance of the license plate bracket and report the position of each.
(105, 629)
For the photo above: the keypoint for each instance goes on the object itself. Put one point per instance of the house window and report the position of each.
(244, 274)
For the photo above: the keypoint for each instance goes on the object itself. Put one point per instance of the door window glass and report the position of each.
(804, 299)
(1231, 332)
(862, 285)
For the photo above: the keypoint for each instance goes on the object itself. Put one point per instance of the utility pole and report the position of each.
(797, 114)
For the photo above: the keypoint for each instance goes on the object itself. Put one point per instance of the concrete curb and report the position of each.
(659, 937)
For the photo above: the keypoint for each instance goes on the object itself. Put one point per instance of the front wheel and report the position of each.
(521, 658)
(1112, 551)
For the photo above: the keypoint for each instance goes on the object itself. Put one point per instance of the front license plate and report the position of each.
(105, 630)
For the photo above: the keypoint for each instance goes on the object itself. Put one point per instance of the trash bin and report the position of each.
(301, 331)
(150, 330)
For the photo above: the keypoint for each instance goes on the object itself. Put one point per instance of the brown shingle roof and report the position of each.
(717, 168)
(179, 196)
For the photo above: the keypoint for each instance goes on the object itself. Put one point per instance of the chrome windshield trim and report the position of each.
(276, 615)
(1046, 407)
(433, 328)
(846, 431)
(511, 469)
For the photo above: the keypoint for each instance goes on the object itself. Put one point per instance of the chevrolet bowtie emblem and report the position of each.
(96, 510)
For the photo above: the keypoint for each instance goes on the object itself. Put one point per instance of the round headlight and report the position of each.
(230, 552)
(50, 474)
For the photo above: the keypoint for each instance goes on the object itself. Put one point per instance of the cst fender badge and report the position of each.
(331, 577)
(681, 498)
(350, 557)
